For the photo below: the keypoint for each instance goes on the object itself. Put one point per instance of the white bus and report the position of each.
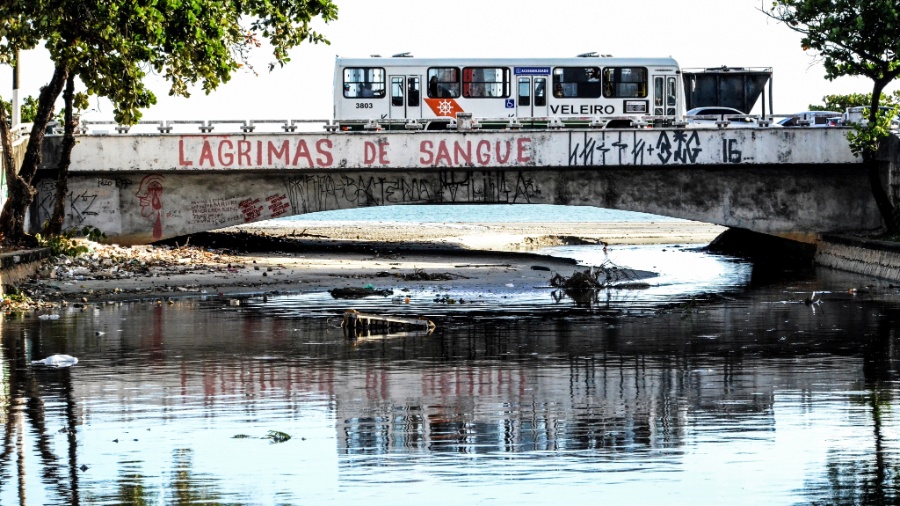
(405, 92)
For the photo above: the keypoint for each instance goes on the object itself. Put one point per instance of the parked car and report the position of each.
(816, 119)
(712, 117)
(860, 115)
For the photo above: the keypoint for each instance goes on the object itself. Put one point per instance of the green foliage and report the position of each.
(840, 103)
(17, 297)
(112, 45)
(67, 243)
(852, 38)
(27, 110)
(867, 138)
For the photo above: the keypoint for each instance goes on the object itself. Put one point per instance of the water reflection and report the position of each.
(755, 398)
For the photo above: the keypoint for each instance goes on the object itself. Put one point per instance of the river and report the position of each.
(716, 384)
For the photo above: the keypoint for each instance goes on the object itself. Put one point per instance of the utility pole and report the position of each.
(16, 108)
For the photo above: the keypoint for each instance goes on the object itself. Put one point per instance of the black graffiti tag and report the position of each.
(583, 153)
(685, 148)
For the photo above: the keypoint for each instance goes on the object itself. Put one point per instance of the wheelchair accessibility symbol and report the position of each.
(510, 103)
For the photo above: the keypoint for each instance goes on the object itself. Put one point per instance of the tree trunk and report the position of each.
(870, 161)
(12, 219)
(8, 163)
(16, 187)
(882, 200)
(55, 224)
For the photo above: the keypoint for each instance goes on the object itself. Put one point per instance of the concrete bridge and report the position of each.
(139, 188)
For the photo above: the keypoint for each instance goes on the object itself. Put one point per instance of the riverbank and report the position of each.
(320, 257)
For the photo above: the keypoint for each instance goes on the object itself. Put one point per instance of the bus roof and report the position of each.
(485, 62)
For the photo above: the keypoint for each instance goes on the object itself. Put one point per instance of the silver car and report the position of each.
(815, 119)
(722, 117)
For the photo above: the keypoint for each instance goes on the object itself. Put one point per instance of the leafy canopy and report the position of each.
(112, 45)
(853, 37)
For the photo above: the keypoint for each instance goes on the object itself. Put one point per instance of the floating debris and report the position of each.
(278, 436)
(421, 275)
(56, 361)
(358, 293)
(274, 435)
(582, 286)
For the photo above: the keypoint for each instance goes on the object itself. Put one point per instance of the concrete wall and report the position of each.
(142, 188)
(137, 207)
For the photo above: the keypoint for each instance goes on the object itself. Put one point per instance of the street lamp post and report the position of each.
(16, 108)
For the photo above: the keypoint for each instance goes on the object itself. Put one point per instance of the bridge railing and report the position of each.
(20, 133)
(94, 127)
(464, 122)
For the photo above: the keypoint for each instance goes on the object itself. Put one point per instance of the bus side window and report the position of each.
(397, 91)
(363, 82)
(671, 97)
(624, 82)
(659, 88)
(540, 91)
(576, 82)
(443, 82)
(486, 82)
(412, 92)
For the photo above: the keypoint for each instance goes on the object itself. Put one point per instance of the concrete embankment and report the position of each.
(17, 266)
(880, 259)
(866, 257)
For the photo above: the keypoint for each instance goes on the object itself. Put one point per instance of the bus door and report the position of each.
(665, 97)
(406, 97)
(531, 97)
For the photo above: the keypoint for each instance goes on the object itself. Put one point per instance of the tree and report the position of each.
(110, 46)
(853, 38)
(28, 109)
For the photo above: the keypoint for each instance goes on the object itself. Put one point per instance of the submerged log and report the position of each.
(354, 320)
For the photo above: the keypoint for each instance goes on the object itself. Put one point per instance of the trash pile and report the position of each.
(119, 262)
(113, 262)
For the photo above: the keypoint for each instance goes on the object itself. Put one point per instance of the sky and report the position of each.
(697, 33)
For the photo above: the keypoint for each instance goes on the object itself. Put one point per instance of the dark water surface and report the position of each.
(660, 396)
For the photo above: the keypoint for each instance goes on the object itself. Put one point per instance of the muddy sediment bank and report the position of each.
(293, 257)
(260, 259)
